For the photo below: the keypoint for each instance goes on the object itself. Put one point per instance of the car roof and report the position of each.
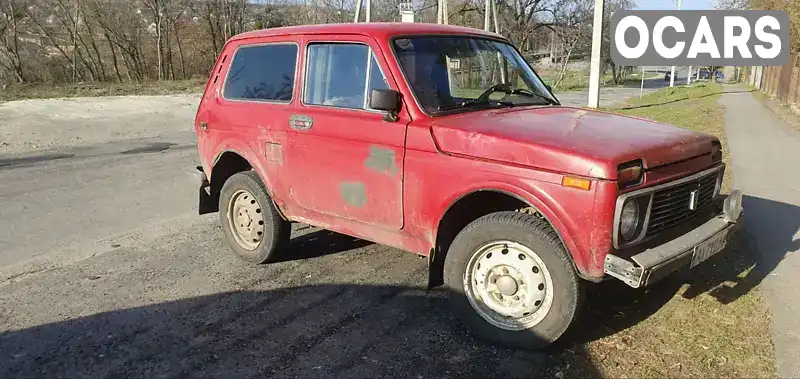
(378, 30)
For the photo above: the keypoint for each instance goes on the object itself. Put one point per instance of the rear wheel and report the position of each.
(511, 281)
(250, 222)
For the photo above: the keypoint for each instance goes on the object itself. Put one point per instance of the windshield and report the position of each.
(453, 73)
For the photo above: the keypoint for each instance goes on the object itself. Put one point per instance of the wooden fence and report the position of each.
(783, 82)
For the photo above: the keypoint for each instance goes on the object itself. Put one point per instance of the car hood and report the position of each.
(568, 140)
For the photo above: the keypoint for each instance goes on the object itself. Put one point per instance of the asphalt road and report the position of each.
(107, 271)
(129, 283)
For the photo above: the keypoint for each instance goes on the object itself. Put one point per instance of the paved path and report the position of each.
(766, 162)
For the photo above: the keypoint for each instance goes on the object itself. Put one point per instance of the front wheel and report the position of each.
(511, 281)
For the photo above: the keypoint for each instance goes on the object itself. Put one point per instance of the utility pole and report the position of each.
(494, 17)
(442, 14)
(487, 14)
(358, 10)
(689, 77)
(641, 90)
(597, 44)
(359, 4)
(672, 75)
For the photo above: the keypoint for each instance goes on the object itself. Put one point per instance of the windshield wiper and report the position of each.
(529, 93)
(475, 104)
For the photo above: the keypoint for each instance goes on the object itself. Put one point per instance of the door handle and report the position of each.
(301, 122)
(204, 125)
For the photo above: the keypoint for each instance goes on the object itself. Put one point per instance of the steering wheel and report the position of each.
(500, 87)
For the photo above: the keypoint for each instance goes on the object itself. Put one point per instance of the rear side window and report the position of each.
(262, 73)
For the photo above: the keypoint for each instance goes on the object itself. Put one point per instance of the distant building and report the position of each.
(406, 12)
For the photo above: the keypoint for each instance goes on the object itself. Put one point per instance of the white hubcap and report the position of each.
(245, 219)
(508, 285)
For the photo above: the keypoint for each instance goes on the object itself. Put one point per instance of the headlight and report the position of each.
(629, 219)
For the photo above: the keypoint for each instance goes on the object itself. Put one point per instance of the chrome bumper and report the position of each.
(658, 262)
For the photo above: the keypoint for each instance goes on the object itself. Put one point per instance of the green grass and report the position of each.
(694, 107)
(579, 80)
(712, 322)
(48, 91)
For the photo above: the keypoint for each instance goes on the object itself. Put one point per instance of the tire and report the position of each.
(521, 234)
(261, 231)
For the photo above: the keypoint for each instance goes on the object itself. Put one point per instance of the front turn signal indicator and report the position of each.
(630, 174)
(580, 183)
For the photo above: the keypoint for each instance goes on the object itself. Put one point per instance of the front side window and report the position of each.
(341, 75)
(456, 73)
(262, 72)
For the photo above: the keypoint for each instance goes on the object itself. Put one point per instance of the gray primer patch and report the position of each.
(353, 193)
(381, 160)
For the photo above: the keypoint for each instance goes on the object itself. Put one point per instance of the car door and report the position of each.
(342, 159)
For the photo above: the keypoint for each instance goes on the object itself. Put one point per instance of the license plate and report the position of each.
(710, 247)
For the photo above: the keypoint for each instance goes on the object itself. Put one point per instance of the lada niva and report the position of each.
(444, 142)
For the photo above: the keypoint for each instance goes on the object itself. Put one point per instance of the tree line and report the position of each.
(71, 41)
(792, 7)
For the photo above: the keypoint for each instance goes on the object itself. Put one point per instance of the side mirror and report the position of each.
(549, 87)
(385, 100)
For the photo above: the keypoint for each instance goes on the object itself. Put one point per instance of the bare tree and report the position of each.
(138, 40)
(731, 4)
(157, 10)
(573, 30)
(522, 18)
(618, 74)
(10, 42)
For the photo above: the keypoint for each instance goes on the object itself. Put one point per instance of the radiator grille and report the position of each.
(671, 205)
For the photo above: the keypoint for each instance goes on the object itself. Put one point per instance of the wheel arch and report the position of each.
(228, 162)
(480, 202)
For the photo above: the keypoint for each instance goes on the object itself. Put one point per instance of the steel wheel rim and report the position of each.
(508, 285)
(246, 219)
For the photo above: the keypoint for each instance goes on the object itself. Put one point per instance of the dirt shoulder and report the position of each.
(56, 91)
(790, 114)
(44, 124)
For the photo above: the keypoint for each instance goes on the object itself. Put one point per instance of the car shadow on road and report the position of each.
(314, 242)
(770, 227)
(331, 330)
(351, 330)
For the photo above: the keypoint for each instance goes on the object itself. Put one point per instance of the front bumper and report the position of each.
(655, 263)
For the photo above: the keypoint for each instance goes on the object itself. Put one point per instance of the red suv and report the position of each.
(444, 142)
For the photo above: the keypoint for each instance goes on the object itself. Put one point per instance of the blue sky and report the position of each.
(670, 4)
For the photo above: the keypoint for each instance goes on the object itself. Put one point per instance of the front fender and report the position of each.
(568, 211)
